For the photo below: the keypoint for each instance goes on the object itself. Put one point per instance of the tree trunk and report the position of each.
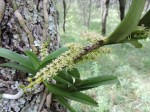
(64, 22)
(85, 11)
(104, 15)
(122, 4)
(15, 37)
(89, 16)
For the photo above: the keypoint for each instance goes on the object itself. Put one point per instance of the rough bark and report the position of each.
(14, 37)
(122, 4)
(104, 15)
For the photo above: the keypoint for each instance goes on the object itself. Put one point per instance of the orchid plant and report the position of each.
(57, 71)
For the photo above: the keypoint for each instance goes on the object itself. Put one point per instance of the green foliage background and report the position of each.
(130, 64)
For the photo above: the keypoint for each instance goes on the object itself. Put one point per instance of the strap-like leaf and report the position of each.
(74, 73)
(22, 60)
(65, 103)
(62, 86)
(33, 58)
(145, 20)
(77, 96)
(95, 82)
(60, 80)
(56, 90)
(83, 98)
(83, 88)
(63, 74)
(63, 81)
(18, 67)
(129, 23)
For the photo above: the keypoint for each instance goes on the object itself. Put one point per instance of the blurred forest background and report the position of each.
(130, 64)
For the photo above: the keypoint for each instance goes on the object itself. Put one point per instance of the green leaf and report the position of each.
(74, 73)
(63, 81)
(18, 67)
(52, 55)
(77, 96)
(129, 23)
(62, 86)
(22, 60)
(95, 82)
(83, 98)
(60, 80)
(33, 58)
(65, 103)
(145, 20)
(63, 74)
(55, 90)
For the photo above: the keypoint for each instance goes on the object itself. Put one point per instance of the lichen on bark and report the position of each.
(14, 37)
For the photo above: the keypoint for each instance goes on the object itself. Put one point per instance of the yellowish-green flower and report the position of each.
(96, 53)
(92, 37)
(65, 60)
(44, 50)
